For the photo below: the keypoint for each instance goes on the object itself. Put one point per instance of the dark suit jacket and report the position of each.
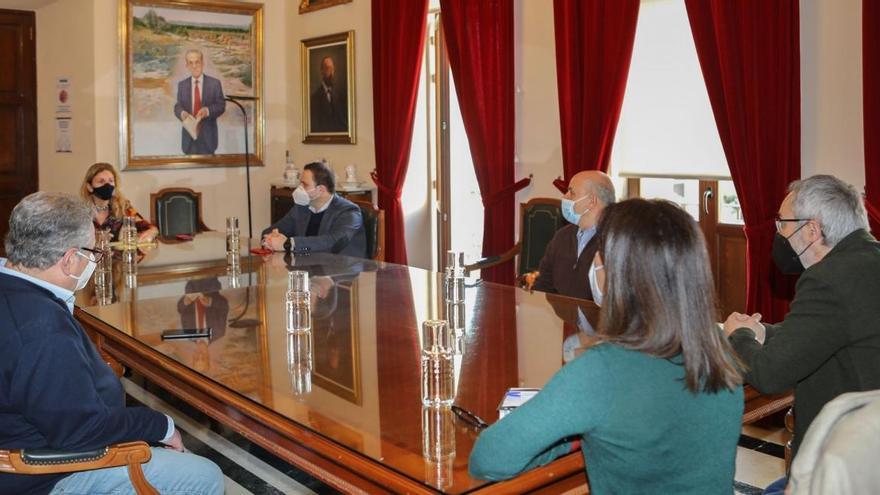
(562, 270)
(341, 231)
(329, 116)
(212, 97)
(829, 342)
(55, 390)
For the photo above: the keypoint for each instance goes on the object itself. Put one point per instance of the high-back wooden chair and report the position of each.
(177, 210)
(374, 225)
(540, 218)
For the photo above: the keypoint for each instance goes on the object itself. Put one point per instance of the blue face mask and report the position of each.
(568, 212)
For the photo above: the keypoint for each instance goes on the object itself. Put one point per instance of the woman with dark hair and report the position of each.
(657, 400)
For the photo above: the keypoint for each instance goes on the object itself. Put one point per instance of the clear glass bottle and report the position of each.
(453, 280)
(291, 173)
(438, 370)
(299, 362)
(298, 304)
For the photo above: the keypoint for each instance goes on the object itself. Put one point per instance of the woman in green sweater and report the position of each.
(657, 400)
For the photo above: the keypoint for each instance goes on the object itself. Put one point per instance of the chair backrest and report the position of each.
(374, 225)
(177, 210)
(540, 218)
(839, 451)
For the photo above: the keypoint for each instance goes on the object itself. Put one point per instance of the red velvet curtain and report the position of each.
(749, 53)
(479, 41)
(871, 91)
(398, 45)
(594, 42)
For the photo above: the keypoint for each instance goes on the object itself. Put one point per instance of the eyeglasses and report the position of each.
(97, 255)
(469, 418)
(779, 221)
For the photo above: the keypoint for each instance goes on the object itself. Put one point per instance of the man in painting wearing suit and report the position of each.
(199, 96)
(328, 103)
(321, 221)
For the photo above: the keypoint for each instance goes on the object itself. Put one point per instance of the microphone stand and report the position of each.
(238, 322)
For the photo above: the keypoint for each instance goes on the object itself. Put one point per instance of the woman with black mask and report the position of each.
(100, 189)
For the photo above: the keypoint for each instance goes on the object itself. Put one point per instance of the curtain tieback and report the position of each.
(382, 187)
(561, 184)
(507, 191)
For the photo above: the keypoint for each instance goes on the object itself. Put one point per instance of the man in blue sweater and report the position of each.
(55, 390)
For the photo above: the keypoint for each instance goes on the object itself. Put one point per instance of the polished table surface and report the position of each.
(356, 410)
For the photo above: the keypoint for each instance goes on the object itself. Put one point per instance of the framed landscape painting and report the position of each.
(181, 61)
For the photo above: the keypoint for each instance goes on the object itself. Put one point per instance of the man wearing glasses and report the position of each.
(829, 342)
(56, 392)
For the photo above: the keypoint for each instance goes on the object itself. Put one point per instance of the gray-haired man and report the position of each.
(829, 342)
(56, 392)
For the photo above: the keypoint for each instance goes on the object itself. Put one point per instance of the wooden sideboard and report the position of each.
(282, 200)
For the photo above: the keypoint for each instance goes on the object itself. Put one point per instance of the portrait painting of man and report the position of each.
(184, 59)
(328, 89)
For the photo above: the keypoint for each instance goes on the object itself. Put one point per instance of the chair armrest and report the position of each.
(43, 461)
(495, 260)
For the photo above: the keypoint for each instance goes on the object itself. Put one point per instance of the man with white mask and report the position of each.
(320, 221)
(57, 392)
(565, 267)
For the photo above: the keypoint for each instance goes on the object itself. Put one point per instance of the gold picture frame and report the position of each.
(328, 89)
(164, 44)
(306, 6)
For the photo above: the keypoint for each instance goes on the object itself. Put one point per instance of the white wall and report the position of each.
(832, 137)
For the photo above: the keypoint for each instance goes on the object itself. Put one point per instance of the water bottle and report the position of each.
(298, 303)
(438, 445)
(438, 380)
(453, 281)
(299, 362)
(233, 240)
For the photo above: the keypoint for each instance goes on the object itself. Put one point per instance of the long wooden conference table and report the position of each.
(353, 417)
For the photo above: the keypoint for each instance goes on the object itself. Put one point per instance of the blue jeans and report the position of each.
(168, 471)
(777, 487)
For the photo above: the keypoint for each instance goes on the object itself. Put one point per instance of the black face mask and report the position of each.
(785, 257)
(104, 192)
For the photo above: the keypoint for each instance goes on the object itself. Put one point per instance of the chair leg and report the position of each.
(139, 481)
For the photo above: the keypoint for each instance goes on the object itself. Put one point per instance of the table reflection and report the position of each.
(355, 377)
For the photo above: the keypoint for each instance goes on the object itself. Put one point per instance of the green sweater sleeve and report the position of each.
(572, 403)
(796, 347)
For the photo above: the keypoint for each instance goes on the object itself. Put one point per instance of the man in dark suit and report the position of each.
(329, 106)
(565, 267)
(199, 97)
(829, 342)
(320, 221)
(57, 392)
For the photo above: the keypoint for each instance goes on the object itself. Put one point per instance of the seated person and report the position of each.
(656, 401)
(57, 392)
(829, 342)
(100, 190)
(566, 261)
(320, 221)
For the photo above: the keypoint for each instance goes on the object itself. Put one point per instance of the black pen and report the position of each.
(469, 417)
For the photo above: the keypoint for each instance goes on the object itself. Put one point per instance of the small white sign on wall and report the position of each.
(63, 139)
(62, 96)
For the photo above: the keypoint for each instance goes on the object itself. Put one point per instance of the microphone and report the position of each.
(240, 98)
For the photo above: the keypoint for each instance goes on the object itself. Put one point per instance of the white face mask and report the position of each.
(594, 285)
(301, 196)
(86, 274)
(568, 212)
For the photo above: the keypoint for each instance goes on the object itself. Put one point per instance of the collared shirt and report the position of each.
(192, 86)
(65, 295)
(323, 207)
(328, 92)
(583, 238)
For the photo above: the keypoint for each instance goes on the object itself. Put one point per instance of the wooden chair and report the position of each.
(177, 210)
(540, 218)
(41, 461)
(374, 225)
